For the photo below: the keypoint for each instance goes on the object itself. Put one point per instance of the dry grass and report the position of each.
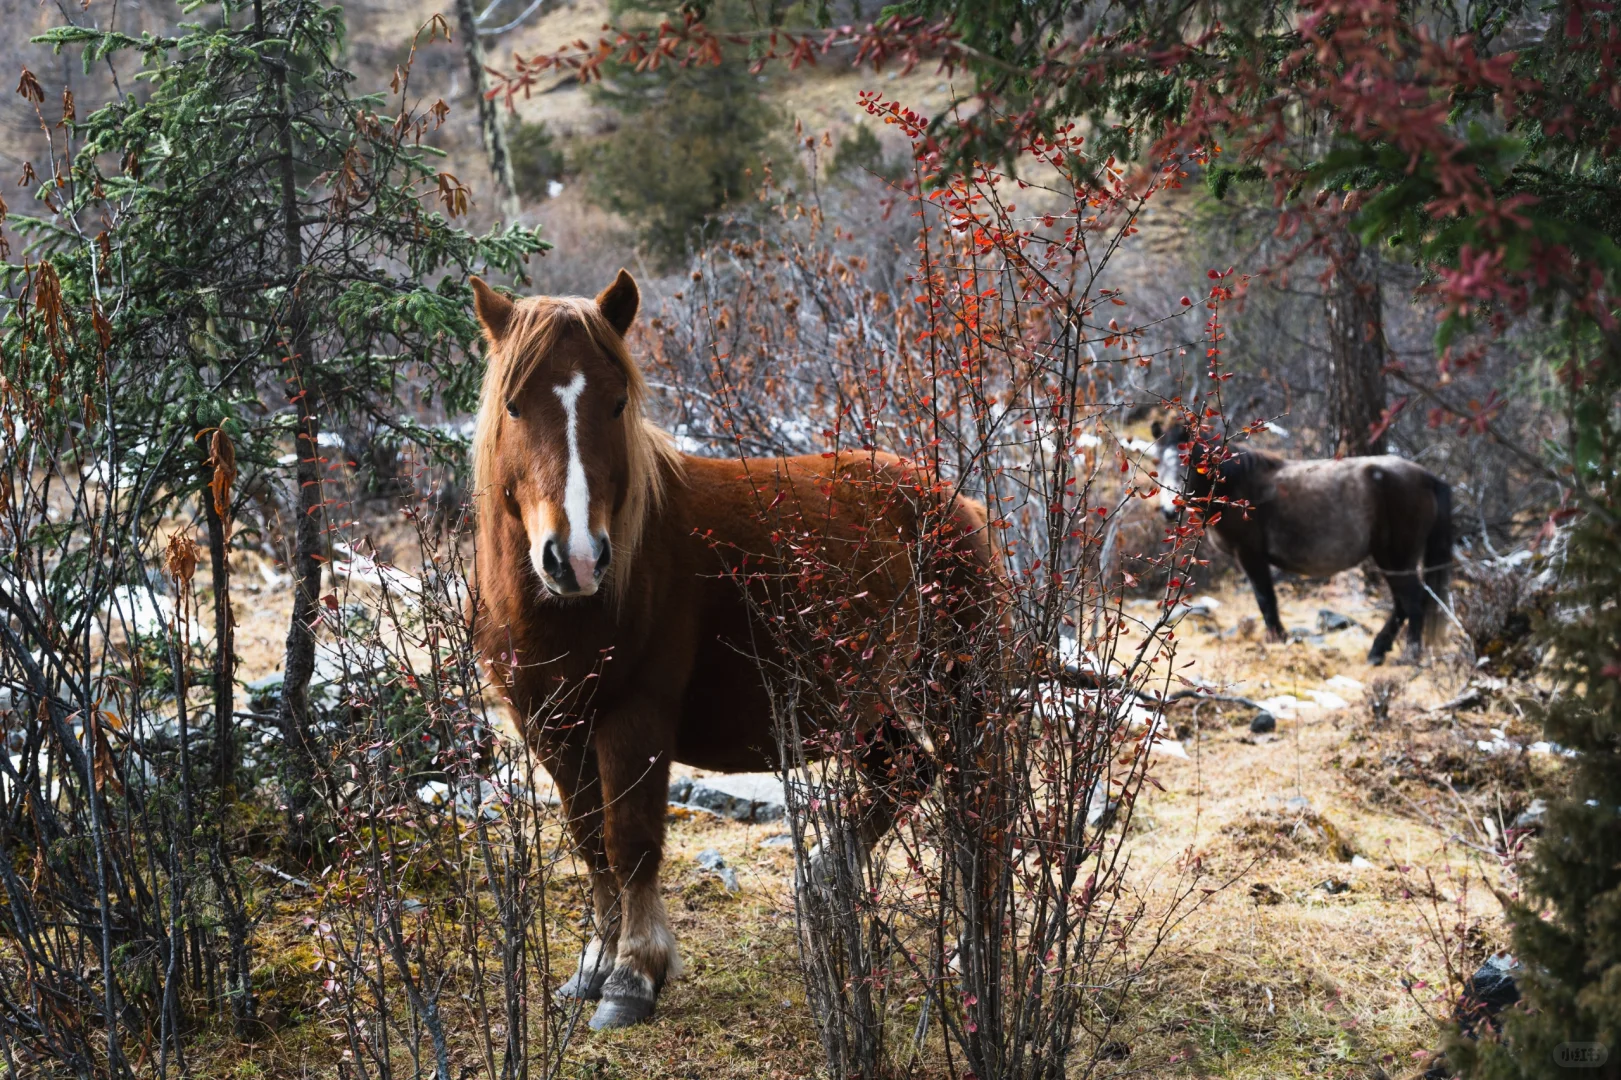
(1296, 968)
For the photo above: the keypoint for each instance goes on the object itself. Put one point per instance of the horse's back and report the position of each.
(1328, 514)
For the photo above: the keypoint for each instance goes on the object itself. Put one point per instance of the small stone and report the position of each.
(1262, 893)
(778, 840)
(264, 695)
(1359, 863)
(1531, 817)
(1334, 886)
(728, 878)
(710, 859)
(1330, 621)
(1263, 722)
(1100, 809)
(680, 789)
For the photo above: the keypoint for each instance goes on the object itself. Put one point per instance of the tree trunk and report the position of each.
(298, 770)
(224, 651)
(1356, 330)
(490, 120)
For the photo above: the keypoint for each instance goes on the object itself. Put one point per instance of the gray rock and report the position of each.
(1488, 992)
(1100, 809)
(264, 695)
(781, 839)
(1263, 722)
(711, 860)
(1531, 817)
(1330, 621)
(680, 789)
(753, 797)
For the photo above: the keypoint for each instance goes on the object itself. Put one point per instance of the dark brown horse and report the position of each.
(1317, 518)
(608, 602)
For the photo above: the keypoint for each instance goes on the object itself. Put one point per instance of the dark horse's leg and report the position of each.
(1259, 571)
(633, 757)
(1416, 601)
(1387, 632)
(574, 769)
(1407, 605)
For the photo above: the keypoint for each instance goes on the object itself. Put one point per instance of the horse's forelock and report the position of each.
(537, 326)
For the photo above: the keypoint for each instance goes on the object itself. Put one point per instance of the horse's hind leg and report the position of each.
(635, 768)
(1386, 635)
(1407, 605)
(1415, 600)
(894, 772)
(575, 772)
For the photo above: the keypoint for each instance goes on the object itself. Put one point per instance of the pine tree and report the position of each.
(1567, 927)
(261, 251)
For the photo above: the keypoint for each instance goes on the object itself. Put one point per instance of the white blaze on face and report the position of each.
(1170, 478)
(576, 492)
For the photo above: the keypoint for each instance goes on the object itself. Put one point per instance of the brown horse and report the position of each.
(622, 589)
(1317, 518)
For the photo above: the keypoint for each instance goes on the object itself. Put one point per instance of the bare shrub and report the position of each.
(1497, 601)
(992, 926)
(446, 844)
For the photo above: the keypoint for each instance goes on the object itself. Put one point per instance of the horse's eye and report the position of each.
(512, 410)
(620, 407)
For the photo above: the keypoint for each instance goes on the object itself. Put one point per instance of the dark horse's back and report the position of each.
(820, 533)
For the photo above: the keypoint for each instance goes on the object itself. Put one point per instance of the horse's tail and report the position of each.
(1437, 556)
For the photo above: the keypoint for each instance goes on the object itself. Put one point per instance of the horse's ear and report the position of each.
(494, 311)
(619, 302)
(1157, 429)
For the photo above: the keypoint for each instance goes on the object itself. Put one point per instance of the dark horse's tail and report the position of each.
(1437, 556)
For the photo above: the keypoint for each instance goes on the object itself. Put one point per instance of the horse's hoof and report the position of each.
(1376, 659)
(584, 986)
(618, 1012)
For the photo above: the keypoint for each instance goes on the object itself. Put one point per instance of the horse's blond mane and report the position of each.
(534, 329)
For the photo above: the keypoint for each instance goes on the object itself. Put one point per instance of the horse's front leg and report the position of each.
(633, 757)
(573, 767)
(1259, 571)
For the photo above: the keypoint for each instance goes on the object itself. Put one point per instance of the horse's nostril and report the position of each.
(549, 560)
(604, 555)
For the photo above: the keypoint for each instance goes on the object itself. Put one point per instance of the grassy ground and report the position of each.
(1353, 845)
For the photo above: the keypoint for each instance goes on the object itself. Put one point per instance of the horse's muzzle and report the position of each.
(577, 574)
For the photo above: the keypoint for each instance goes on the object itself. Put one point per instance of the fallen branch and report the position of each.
(282, 874)
(1475, 695)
